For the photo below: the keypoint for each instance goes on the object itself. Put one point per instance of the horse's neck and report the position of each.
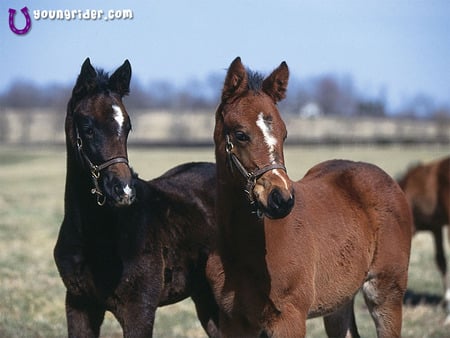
(241, 229)
(80, 203)
(78, 185)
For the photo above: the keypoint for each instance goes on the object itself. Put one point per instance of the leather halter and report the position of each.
(250, 176)
(95, 169)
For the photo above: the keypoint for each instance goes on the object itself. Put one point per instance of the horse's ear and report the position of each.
(86, 80)
(119, 82)
(236, 80)
(275, 85)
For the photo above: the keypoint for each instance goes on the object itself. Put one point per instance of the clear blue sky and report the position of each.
(399, 46)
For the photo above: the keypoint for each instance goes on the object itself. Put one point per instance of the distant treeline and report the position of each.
(322, 96)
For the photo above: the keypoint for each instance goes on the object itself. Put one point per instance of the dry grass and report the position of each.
(31, 208)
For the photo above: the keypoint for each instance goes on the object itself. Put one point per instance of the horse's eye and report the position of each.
(241, 136)
(89, 132)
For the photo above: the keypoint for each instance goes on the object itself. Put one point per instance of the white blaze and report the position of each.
(269, 139)
(119, 117)
(271, 142)
(276, 172)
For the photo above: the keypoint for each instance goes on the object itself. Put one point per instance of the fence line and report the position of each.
(45, 126)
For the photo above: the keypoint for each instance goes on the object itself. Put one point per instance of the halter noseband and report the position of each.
(251, 176)
(95, 170)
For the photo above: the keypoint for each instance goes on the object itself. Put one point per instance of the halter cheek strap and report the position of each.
(250, 176)
(95, 170)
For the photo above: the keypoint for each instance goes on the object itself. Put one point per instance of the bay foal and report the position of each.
(288, 250)
(427, 189)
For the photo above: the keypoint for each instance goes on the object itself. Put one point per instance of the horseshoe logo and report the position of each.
(12, 26)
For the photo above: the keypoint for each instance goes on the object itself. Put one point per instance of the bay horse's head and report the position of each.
(249, 136)
(97, 127)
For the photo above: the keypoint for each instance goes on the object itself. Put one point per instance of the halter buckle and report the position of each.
(101, 199)
(95, 172)
(79, 143)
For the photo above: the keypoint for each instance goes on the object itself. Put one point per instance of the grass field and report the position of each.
(31, 209)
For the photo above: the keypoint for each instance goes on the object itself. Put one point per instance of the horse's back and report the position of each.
(341, 171)
(195, 174)
(197, 170)
(361, 182)
(366, 197)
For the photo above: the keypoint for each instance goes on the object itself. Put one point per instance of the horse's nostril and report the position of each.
(275, 199)
(118, 189)
(278, 205)
(132, 197)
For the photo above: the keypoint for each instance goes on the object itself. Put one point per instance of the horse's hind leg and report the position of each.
(383, 294)
(342, 323)
(441, 263)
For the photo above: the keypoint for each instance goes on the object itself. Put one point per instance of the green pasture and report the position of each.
(31, 210)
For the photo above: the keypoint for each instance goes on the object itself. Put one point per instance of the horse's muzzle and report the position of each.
(124, 196)
(279, 205)
(274, 194)
(119, 189)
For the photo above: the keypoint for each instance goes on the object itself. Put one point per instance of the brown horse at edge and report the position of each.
(289, 251)
(427, 189)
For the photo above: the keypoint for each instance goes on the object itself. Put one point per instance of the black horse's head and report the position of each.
(97, 127)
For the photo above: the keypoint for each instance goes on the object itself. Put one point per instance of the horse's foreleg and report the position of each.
(290, 323)
(83, 318)
(136, 318)
(342, 323)
(207, 309)
(236, 327)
